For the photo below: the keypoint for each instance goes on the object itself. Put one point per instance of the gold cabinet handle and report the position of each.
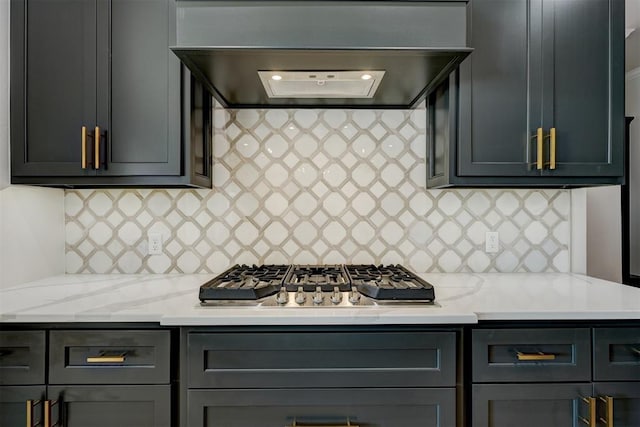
(297, 424)
(535, 356)
(552, 149)
(48, 404)
(96, 138)
(31, 404)
(107, 358)
(608, 419)
(591, 421)
(83, 138)
(539, 145)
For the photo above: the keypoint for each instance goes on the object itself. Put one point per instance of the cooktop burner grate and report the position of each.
(392, 282)
(311, 277)
(243, 282)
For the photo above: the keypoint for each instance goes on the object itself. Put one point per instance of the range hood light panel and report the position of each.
(321, 84)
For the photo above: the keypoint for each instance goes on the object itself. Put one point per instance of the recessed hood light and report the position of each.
(321, 84)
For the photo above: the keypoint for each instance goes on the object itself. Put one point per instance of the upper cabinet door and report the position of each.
(139, 89)
(495, 96)
(53, 86)
(583, 76)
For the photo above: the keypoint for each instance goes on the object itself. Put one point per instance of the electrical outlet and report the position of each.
(491, 242)
(155, 243)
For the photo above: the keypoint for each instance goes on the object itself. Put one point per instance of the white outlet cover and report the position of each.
(492, 242)
(155, 244)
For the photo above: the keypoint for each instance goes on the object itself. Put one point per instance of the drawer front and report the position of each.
(109, 357)
(321, 359)
(616, 354)
(534, 355)
(22, 357)
(325, 407)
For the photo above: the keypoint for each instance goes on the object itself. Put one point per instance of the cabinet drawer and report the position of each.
(321, 359)
(22, 357)
(616, 354)
(325, 407)
(535, 355)
(109, 357)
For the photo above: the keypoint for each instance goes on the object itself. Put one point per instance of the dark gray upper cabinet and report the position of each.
(102, 65)
(539, 67)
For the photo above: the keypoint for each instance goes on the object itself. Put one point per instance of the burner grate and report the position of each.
(242, 282)
(310, 277)
(392, 282)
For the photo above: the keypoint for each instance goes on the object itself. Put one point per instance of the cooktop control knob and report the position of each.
(354, 297)
(282, 296)
(336, 296)
(300, 296)
(317, 296)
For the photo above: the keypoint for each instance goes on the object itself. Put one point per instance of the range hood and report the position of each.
(324, 54)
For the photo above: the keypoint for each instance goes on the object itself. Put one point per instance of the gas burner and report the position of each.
(312, 277)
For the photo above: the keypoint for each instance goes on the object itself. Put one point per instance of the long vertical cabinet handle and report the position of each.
(539, 145)
(552, 149)
(48, 404)
(96, 137)
(591, 421)
(608, 418)
(31, 404)
(83, 137)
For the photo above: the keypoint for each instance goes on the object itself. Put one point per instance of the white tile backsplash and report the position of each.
(317, 186)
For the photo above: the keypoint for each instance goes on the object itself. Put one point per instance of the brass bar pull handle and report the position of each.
(107, 358)
(31, 404)
(591, 421)
(83, 159)
(297, 424)
(552, 149)
(608, 419)
(48, 404)
(96, 138)
(535, 356)
(539, 145)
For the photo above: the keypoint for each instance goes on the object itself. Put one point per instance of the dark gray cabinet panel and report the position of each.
(538, 64)
(625, 404)
(22, 357)
(91, 357)
(583, 80)
(13, 404)
(616, 354)
(108, 406)
(104, 65)
(139, 102)
(53, 84)
(289, 407)
(534, 355)
(321, 359)
(529, 405)
(495, 95)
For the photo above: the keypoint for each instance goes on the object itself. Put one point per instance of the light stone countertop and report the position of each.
(461, 298)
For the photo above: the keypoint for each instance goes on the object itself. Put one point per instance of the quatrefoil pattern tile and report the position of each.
(317, 186)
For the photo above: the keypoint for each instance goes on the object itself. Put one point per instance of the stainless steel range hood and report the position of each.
(325, 54)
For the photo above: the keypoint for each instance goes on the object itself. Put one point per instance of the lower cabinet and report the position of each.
(530, 405)
(556, 377)
(19, 403)
(108, 406)
(341, 376)
(323, 407)
(618, 403)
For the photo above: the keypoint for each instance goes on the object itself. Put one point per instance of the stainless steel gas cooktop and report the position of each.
(316, 286)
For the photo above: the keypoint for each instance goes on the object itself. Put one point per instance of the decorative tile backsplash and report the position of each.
(317, 186)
